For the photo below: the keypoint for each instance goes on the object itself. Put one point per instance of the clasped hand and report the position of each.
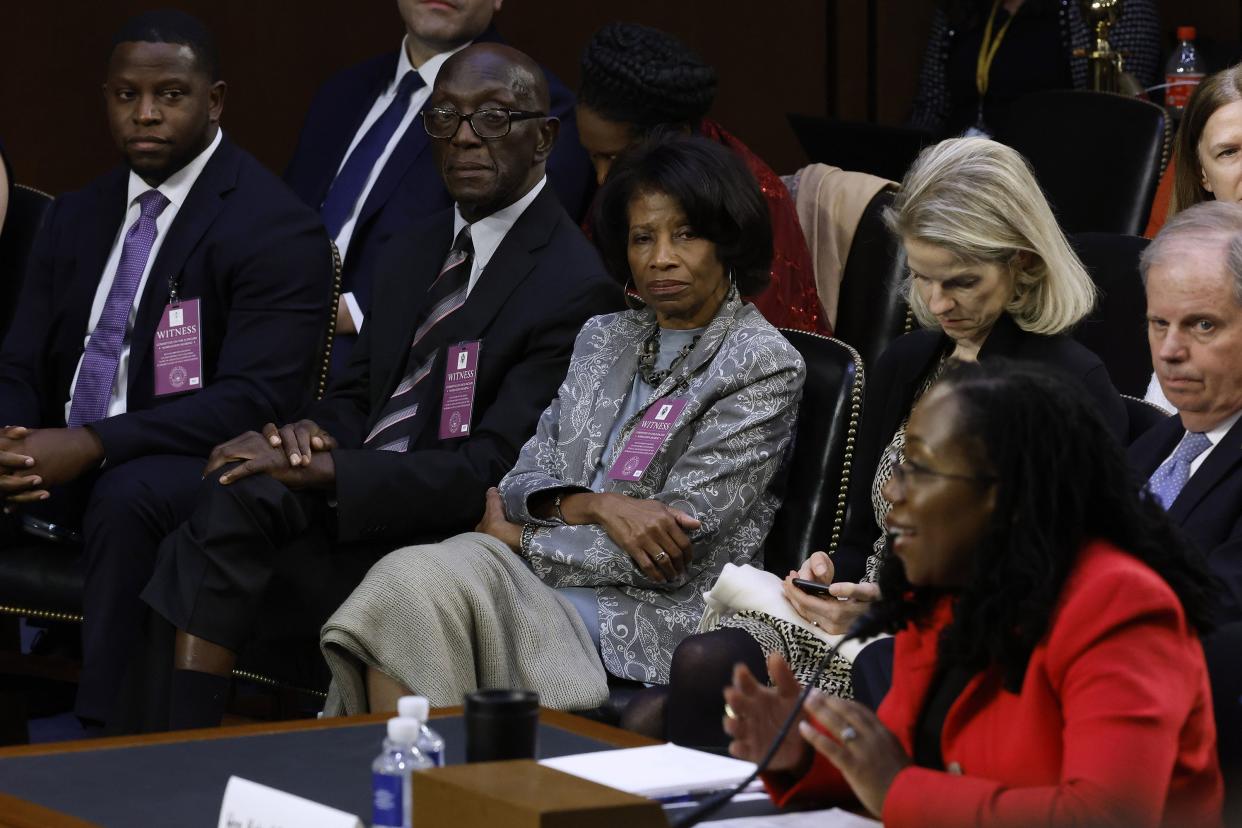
(34, 459)
(651, 533)
(297, 455)
(846, 733)
(834, 615)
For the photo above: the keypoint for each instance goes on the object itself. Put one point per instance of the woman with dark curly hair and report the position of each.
(637, 80)
(647, 474)
(1047, 665)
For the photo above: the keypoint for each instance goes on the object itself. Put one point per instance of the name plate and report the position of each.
(646, 439)
(178, 350)
(251, 805)
(460, 374)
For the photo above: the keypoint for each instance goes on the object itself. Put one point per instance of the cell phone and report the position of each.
(812, 588)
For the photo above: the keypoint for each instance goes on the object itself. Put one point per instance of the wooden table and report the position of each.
(18, 813)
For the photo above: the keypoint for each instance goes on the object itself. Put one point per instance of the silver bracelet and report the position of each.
(528, 536)
(556, 501)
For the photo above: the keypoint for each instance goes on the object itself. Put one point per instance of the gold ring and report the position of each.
(816, 625)
(661, 556)
(729, 712)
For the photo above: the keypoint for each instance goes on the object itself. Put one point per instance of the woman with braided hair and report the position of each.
(637, 80)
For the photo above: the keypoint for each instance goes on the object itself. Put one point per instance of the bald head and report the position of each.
(496, 62)
(487, 174)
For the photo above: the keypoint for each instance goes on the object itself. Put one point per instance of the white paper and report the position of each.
(656, 771)
(251, 805)
(832, 818)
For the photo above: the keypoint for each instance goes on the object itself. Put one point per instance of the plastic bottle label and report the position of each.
(390, 801)
(436, 757)
(1181, 87)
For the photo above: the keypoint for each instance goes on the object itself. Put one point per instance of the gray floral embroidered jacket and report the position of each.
(742, 383)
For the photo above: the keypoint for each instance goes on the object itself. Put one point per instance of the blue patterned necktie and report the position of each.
(93, 389)
(1168, 480)
(348, 184)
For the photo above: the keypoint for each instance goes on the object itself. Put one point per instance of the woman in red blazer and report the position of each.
(1047, 667)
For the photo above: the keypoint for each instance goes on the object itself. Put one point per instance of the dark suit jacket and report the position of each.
(543, 282)
(410, 187)
(889, 395)
(254, 255)
(1209, 508)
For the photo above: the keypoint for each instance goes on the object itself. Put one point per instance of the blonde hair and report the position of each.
(979, 200)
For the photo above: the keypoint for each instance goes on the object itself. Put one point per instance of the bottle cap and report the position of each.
(402, 730)
(414, 707)
(1186, 32)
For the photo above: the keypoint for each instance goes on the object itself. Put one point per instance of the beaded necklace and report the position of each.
(649, 349)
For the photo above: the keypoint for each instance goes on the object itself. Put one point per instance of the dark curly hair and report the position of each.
(1062, 480)
(644, 77)
(721, 200)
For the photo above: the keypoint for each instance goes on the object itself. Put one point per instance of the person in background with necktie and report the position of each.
(1193, 462)
(364, 161)
(176, 301)
(470, 334)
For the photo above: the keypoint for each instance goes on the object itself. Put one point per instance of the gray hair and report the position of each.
(1202, 224)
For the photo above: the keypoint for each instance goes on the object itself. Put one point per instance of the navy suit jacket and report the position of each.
(1209, 508)
(543, 282)
(409, 188)
(256, 258)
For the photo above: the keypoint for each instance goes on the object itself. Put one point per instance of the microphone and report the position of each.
(714, 803)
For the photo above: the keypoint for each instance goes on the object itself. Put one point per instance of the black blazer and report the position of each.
(889, 395)
(410, 187)
(543, 282)
(1209, 508)
(254, 255)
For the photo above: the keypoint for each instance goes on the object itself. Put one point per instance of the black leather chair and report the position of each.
(21, 222)
(1098, 156)
(1117, 330)
(1143, 416)
(871, 312)
(41, 579)
(878, 149)
(817, 475)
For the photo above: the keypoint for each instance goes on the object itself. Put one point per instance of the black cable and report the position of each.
(717, 801)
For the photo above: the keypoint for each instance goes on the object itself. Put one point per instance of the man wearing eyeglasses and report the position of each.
(365, 163)
(470, 334)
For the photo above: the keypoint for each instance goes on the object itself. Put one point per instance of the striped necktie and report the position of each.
(93, 389)
(446, 294)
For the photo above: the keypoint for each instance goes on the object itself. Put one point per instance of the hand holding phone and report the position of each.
(813, 588)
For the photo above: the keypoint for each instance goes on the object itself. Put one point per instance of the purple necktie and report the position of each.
(93, 389)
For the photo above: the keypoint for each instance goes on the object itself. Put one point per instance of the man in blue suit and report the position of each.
(168, 305)
(365, 163)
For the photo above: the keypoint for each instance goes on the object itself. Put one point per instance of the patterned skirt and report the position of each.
(801, 650)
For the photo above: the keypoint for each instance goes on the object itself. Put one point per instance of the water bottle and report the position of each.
(390, 775)
(1183, 72)
(429, 742)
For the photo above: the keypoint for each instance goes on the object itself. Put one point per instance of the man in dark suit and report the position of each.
(191, 242)
(1193, 461)
(459, 357)
(364, 161)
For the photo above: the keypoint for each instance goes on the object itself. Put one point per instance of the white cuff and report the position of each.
(355, 312)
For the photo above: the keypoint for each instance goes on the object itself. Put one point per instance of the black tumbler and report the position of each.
(501, 724)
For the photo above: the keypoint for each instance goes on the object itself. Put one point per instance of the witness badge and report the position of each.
(646, 439)
(460, 374)
(178, 349)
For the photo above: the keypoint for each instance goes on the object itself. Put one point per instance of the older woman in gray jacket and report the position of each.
(649, 472)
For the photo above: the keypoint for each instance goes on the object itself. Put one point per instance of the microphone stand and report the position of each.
(717, 801)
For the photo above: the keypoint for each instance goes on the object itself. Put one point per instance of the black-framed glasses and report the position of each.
(909, 470)
(486, 123)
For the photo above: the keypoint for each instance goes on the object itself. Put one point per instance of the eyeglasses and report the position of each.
(486, 123)
(908, 470)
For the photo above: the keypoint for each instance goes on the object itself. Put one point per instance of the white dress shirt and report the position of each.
(428, 72)
(1214, 437)
(176, 188)
(488, 233)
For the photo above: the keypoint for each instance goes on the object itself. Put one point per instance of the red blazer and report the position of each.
(1113, 724)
